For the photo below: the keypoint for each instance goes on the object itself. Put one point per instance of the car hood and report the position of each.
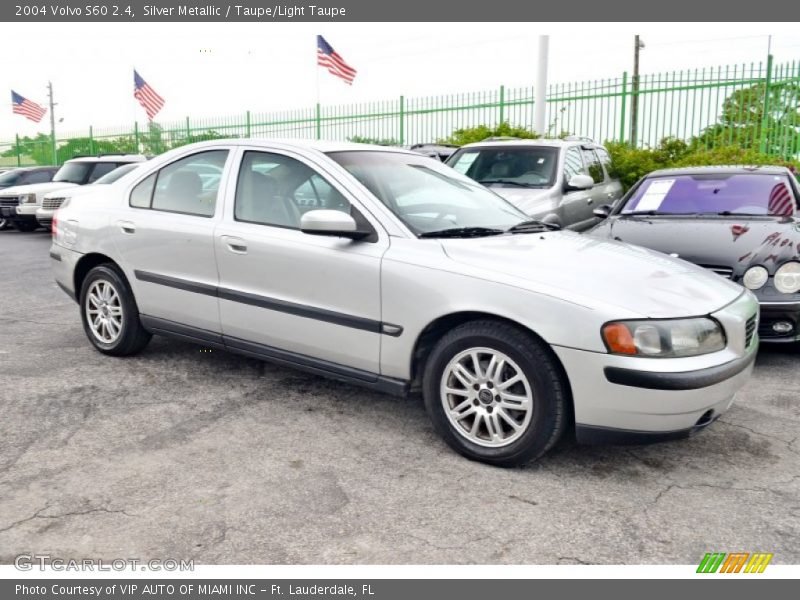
(75, 190)
(531, 201)
(36, 188)
(725, 241)
(595, 273)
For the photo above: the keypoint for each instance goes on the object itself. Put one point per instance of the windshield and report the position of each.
(10, 178)
(425, 194)
(529, 166)
(735, 194)
(116, 174)
(73, 172)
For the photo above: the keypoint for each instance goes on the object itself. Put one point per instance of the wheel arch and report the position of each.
(86, 263)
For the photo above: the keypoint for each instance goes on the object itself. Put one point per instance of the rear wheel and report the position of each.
(109, 312)
(495, 393)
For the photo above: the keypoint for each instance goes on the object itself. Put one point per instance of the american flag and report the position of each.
(147, 96)
(328, 58)
(26, 108)
(780, 201)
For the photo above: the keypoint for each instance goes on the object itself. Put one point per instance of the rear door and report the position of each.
(166, 240)
(576, 205)
(612, 186)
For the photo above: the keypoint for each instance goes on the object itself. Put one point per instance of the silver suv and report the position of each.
(388, 269)
(558, 181)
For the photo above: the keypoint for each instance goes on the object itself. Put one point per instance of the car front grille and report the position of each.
(52, 203)
(9, 201)
(725, 272)
(750, 330)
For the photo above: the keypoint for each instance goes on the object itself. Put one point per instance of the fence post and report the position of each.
(19, 153)
(319, 123)
(188, 129)
(136, 135)
(622, 108)
(502, 104)
(402, 120)
(765, 115)
(91, 139)
(247, 123)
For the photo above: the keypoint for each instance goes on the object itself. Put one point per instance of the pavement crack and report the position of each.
(38, 515)
(788, 443)
(525, 500)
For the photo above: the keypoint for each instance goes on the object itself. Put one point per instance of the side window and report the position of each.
(37, 177)
(593, 167)
(273, 189)
(100, 169)
(189, 185)
(142, 194)
(573, 164)
(605, 158)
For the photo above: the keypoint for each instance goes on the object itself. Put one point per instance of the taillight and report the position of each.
(53, 225)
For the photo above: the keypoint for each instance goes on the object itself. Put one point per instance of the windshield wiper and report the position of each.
(461, 232)
(506, 182)
(533, 226)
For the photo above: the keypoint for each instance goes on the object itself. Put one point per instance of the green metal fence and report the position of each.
(753, 105)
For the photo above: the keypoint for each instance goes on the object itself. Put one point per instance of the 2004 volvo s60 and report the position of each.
(388, 269)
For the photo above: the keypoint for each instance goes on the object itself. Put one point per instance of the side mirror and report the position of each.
(603, 211)
(332, 223)
(580, 182)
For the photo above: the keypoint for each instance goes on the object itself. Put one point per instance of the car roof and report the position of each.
(723, 170)
(319, 145)
(548, 142)
(35, 168)
(109, 158)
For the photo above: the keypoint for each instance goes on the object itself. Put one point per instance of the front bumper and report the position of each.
(773, 313)
(627, 399)
(45, 216)
(23, 212)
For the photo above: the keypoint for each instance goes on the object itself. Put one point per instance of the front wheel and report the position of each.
(3, 224)
(495, 393)
(109, 313)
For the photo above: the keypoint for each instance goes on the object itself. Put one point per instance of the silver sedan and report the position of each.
(387, 269)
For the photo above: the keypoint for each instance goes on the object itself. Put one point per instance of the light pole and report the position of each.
(52, 121)
(638, 44)
(540, 91)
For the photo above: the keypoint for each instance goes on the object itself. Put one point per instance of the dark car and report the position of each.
(740, 222)
(439, 151)
(24, 176)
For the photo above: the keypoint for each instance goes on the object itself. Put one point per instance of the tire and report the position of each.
(3, 224)
(26, 225)
(106, 296)
(540, 386)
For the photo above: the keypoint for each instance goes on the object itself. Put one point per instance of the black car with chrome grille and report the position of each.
(740, 222)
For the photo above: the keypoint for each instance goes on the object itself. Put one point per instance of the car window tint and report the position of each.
(593, 167)
(273, 189)
(573, 164)
(143, 192)
(100, 169)
(38, 177)
(190, 185)
(605, 158)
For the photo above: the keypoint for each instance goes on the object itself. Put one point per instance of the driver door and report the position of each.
(287, 293)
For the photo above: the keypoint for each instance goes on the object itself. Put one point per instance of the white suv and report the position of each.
(19, 204)
(558, 181)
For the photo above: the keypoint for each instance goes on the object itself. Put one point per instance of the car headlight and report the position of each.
(787, 278)
(27, 199)
(755, 277)
(664, 338)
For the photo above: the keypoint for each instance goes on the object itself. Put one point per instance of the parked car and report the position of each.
(557, 181)
(438, 151)
(52, 201)
(405, 275)
(19, 203)
(23, 176)
(740, 222)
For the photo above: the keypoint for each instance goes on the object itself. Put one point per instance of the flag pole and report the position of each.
(318, 113)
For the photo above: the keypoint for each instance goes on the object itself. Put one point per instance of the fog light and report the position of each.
(782, 327)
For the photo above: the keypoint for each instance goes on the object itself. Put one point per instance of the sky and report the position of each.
(229, 68)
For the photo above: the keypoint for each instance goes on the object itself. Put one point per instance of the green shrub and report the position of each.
(481, 132)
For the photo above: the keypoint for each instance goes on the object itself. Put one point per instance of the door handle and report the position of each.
(235, 244)
(589, 200)
(127, 227)
(611, 195)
